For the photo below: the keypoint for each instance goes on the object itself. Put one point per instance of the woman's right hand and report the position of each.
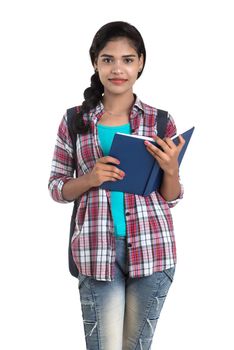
(102, 171)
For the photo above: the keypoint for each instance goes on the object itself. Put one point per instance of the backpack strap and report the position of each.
(71, 113)
(162, 119)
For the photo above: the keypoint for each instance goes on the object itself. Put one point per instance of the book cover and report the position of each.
(142, 172)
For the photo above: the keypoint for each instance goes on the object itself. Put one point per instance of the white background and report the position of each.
(44, 69)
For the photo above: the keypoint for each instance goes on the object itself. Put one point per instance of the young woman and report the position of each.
(123, 244)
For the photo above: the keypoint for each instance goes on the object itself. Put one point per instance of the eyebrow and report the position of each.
(111, 56)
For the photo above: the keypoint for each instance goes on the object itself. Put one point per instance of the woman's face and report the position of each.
(118, 66)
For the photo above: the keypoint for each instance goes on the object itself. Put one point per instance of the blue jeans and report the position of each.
(122, 314)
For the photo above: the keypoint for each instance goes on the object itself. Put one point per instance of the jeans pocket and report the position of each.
(170, 273)
(167, 279)
(83, 280)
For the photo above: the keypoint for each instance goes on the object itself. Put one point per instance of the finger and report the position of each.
(113, 175)
(170, 143)
(155, 151)
(108, 159)
(181, 143)
(162, 143)
(113, 169)
(103, 168)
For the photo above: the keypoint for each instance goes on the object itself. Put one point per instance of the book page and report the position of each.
(137, 136)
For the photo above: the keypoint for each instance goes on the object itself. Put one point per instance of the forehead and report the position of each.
(119, 46)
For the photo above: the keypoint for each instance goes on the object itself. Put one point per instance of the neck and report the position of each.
(118, 105)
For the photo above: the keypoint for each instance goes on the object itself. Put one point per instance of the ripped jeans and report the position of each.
(122, 314)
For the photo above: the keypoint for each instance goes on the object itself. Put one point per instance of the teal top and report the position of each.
(106, 135)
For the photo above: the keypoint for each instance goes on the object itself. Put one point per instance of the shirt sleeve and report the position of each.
(170, 132)
(62, 168)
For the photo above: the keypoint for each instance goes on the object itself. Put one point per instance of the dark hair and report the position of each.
(93, 94)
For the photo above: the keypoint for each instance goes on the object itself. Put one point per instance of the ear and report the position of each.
(95, 64)
(141, 62)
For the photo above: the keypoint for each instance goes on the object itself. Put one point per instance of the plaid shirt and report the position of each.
(149, 226)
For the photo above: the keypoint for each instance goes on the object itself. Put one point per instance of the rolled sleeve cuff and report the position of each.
(56, 187)
(171, 204)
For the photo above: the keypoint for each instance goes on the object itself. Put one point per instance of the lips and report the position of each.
(117, 81)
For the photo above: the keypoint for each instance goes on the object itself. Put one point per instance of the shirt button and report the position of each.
(129, 245)
(127, 213)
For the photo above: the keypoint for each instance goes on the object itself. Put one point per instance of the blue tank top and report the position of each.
(106, 135)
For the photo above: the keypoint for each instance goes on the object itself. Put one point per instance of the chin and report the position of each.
(118, 90)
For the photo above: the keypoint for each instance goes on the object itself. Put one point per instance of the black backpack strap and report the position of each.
(71, 114)
(162, 119)
(71, 263)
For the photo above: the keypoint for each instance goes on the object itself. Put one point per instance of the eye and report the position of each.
(107, 60)
(128, 60)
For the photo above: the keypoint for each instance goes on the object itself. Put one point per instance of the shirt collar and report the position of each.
(138, 104)
(98, 111)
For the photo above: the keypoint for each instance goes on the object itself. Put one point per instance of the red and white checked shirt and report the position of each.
(149, 226)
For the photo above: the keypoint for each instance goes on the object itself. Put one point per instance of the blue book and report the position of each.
(143, 175)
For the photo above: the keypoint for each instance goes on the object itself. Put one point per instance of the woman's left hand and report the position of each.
(167, 158)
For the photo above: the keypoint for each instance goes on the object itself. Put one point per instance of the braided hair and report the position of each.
(94, 93)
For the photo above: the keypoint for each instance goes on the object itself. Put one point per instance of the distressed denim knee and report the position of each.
(159, 297)
(146, 298)
(89, 314)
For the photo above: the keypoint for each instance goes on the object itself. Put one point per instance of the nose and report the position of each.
(117, 68)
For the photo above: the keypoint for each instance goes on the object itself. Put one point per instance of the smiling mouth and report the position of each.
(117, 81)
